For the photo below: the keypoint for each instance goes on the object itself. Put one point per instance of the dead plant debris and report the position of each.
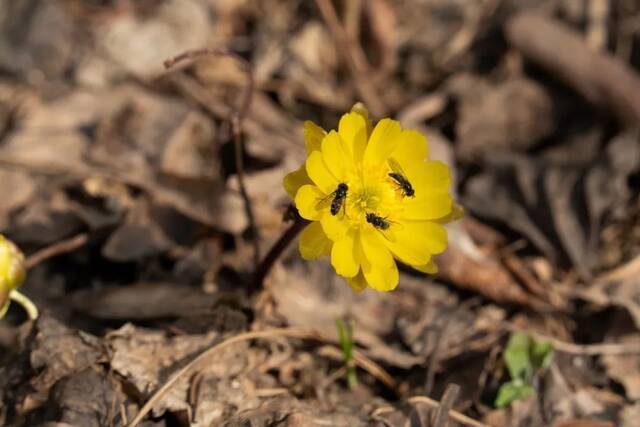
(142, 196)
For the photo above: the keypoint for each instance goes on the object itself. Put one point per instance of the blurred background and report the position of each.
(119, 179)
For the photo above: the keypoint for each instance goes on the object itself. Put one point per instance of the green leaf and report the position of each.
(541, 352)
(517, 356)
(523, 356)
(512, 391)
(345, 334)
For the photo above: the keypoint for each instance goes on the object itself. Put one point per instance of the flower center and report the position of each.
(370, 194)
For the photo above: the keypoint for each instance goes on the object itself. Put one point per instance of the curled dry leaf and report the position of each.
(620, 288)
(468, 267)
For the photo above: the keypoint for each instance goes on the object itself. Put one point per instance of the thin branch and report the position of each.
(56, 249)
(441, 417)
(236, 119)
(455, 415)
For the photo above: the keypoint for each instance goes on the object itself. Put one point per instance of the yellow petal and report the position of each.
(378, 266)
(353, 131)
(313, 135)
(334, 226)
(457, 212)
(358, 282)
(313, 242)
(416, 241)
(334, 155)
(307, 200)
(412, 148)
(383, 141)
(429, 176)
(430, 268)
(359, 108)
(296, 179)
(343, 256)
(319, 174)
(430, 206)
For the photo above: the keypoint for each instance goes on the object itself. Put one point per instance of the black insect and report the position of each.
(377, 221)
(400, 178)
(335, 199)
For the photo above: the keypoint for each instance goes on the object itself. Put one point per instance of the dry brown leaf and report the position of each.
(17, 188)
(87, 398)
(137, 238)
(544, 199)
(624, 368)
(189, 152)
(137, 45)
(620, 287)
(146, 358)
(145, 301)
(468, 267)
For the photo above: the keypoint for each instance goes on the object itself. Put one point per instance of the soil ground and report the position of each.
(144, 196)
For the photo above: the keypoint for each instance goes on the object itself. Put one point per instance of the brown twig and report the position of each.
(453, 414)
(361, 360)
(276, 250)
(441, 417)
(354, 58)
(56, 249)
(236, 119)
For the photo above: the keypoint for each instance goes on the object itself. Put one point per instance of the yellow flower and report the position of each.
(12, 271)
(372, 197)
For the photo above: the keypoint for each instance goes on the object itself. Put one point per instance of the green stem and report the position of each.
(26, 303)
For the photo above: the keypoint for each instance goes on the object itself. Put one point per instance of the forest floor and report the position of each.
(119, 180)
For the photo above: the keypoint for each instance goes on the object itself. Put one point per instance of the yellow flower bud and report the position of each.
(12, 271)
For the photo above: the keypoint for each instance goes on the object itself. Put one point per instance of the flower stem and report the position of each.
(25, 302)
(276, 250)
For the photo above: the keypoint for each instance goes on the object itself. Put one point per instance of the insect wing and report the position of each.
(326, 201)
(395, 167)
(391, 232)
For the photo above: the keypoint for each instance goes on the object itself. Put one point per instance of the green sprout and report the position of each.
(523, 356)
(345, 334)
